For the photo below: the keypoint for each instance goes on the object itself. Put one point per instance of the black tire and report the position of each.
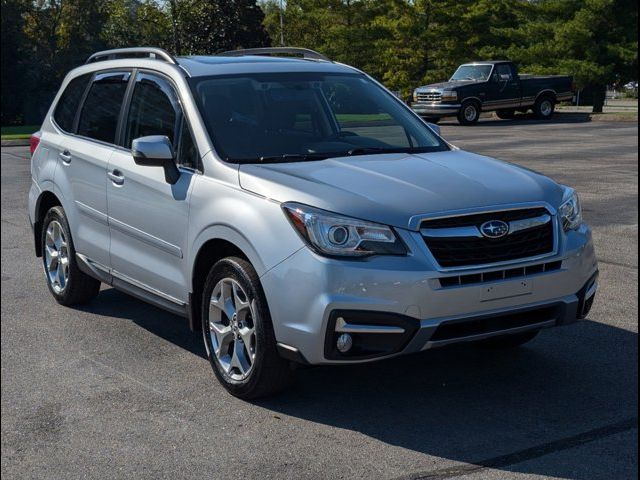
(79, 287)
(269, 372)
(469, 113)
(508, 341)
(544, 107)
(506, 114)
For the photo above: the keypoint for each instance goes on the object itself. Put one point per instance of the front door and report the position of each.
(148, 217)
(504, 89)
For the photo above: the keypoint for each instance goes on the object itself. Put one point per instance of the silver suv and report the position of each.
(295, 211)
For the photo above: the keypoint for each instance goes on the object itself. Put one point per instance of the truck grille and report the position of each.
(457, 251)
(428, 96)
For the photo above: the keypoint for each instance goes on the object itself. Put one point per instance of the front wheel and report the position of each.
(469, 113)
(66, 282)
(238, 332)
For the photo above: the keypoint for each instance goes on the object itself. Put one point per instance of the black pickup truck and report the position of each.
(493, 85)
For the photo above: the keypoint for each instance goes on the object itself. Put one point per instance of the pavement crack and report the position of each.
(617, 264)
(528, 453)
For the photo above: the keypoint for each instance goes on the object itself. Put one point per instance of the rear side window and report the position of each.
(101, 109)
(65, 112)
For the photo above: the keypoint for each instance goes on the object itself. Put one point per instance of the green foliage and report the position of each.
(407, 43)
(43, 39)
(403, 43)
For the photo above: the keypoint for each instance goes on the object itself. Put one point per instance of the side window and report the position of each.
(101, 109)
(504, 70)
(154, 110)
(187, 152)
(65, 112)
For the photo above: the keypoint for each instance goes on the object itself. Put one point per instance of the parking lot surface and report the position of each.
(120, 389)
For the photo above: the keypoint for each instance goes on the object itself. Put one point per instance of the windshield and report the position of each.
(306, 116)
(478, 73)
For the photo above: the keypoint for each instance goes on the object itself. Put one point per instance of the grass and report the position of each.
(18, 132)
(365, 117)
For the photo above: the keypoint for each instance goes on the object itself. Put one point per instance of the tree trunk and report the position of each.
(599, 94)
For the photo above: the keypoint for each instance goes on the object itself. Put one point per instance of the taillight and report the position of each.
(34, 141)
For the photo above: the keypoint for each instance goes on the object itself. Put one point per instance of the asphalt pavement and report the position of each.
(120, 389)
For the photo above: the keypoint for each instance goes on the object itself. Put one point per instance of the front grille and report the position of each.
(508, 274)
(467, 328)
(470, 251)
(428, 96)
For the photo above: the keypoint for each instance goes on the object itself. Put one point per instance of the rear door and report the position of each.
(83, 158)
(148, 217)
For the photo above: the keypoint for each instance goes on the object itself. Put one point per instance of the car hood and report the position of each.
(392, 188)
(444, 85)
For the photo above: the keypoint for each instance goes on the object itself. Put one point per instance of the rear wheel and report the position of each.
(66, 282)
(544, 108)
(238, 332)
(506, 114)
(469, 113)
(508, 341)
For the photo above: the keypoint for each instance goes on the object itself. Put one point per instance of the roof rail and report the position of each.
(269, 51)
(135, 52)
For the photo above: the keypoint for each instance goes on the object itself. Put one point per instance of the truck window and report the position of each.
(504, 69)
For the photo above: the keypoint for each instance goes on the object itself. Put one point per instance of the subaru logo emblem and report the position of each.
(494, 229)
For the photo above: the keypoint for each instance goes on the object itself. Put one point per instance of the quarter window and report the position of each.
(101, 109)
(67, 107)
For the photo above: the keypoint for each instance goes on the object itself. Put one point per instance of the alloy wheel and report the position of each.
(56, 257)
(232, 328)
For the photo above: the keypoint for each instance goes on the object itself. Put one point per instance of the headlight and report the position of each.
(335, 235)
(415, 95)
(570, 211)
(449, 95)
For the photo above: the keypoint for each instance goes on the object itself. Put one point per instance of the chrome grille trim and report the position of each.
(520, 224)
(433, 96)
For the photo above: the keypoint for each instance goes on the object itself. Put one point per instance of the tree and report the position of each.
(13, 50)
(205, 26)
(593, 40)
(136, 22)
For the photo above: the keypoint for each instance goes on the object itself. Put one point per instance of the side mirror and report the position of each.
(435, 128)
(505, 77)
(156, 151)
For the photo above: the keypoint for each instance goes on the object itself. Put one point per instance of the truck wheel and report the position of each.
(238, 332)
(66, 282)
(433, 120)
(544, 108)
(506, 114)
(508, 341)
(469, 112)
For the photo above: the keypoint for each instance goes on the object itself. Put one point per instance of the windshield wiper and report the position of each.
(286, 157)
(372, 150)
(368, 150)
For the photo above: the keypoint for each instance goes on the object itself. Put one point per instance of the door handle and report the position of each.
(65, 157)
(116, 177)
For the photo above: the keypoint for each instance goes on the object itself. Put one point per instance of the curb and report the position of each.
(15, 143)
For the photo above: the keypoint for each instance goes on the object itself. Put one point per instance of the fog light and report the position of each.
(344, 343)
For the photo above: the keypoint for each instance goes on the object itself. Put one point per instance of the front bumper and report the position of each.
(435, 109)
(305, 291)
